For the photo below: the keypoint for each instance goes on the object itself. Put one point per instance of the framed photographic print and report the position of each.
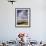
(22, 17)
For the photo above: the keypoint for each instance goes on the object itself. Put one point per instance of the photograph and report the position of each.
(22, 17)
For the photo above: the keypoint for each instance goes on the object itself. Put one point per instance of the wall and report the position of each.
(8, 31)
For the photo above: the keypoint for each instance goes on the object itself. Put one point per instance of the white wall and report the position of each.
(8, 31)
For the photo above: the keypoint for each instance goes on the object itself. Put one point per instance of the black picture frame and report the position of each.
(22, 13)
